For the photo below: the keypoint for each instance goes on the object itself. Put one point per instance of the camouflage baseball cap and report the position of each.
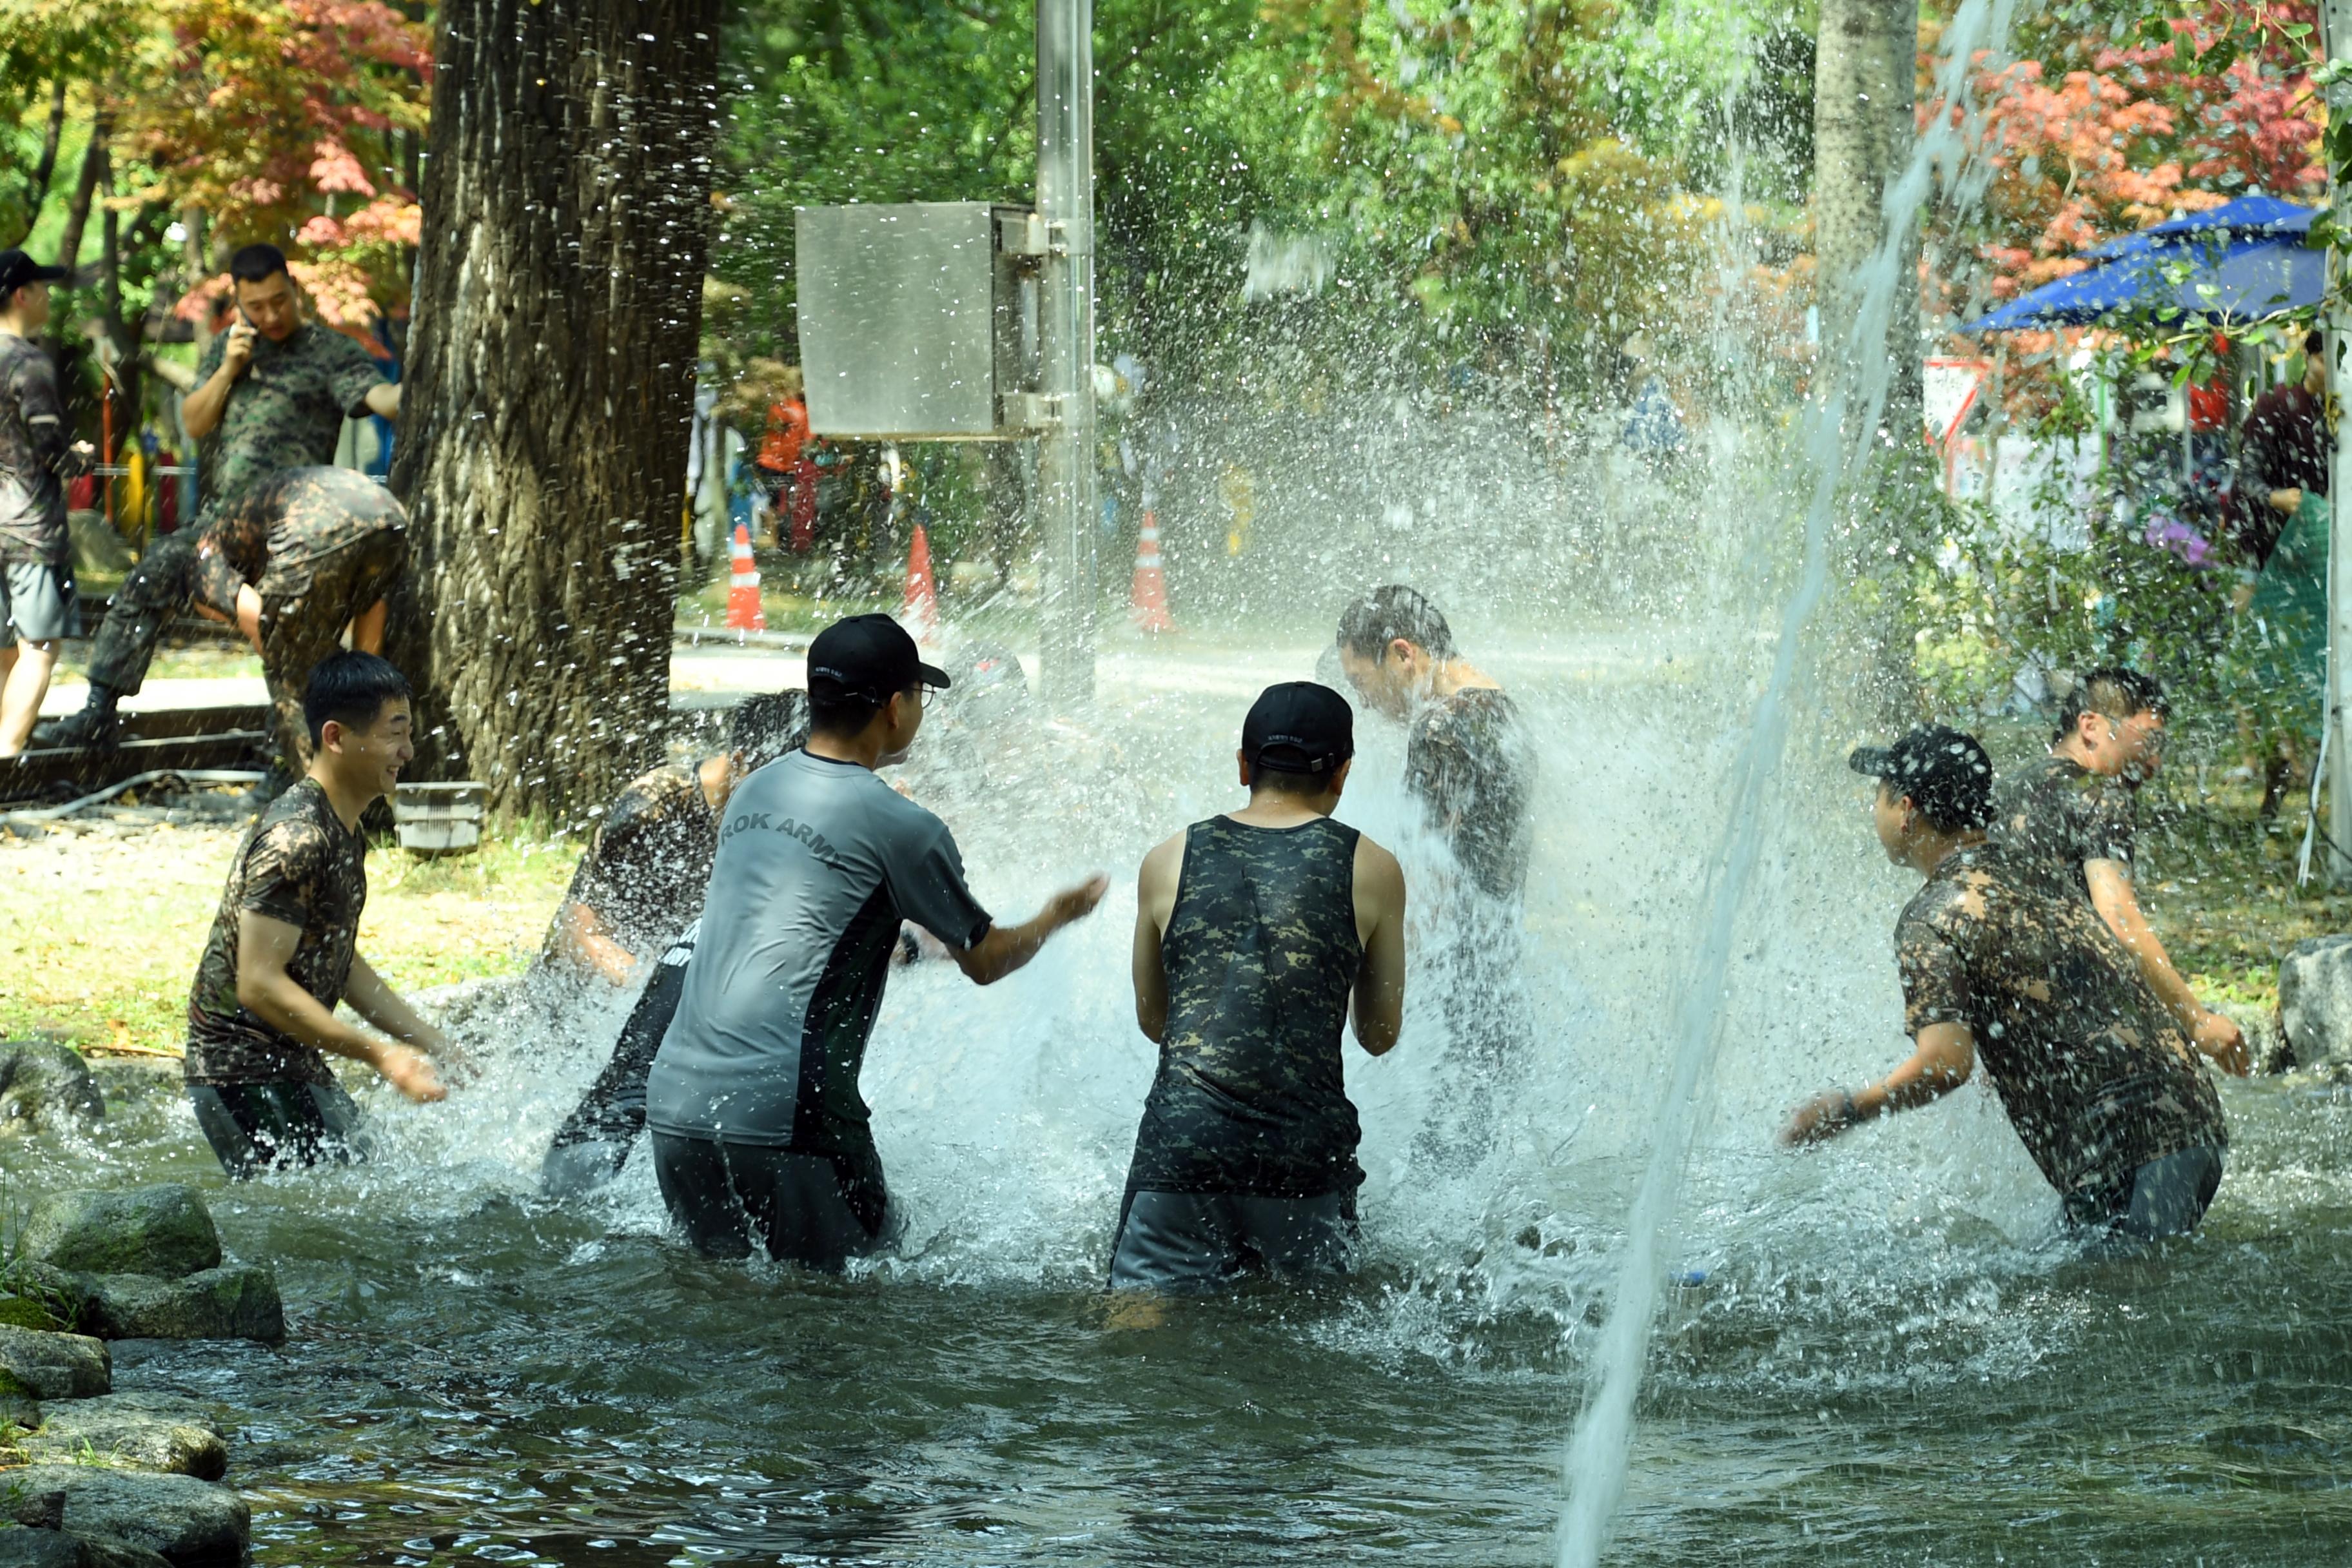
(1946, 774)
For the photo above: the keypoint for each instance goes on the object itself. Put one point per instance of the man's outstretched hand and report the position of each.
(1076, 904)
(411, 1072)
(1818, 1120)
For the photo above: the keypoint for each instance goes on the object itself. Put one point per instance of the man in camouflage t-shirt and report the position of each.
(2071, 823)
(1997, 967)
(37, 453)
(271, 394)
(283, 950)
(302, 554)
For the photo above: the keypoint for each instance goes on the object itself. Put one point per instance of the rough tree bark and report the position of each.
(1864, 74)
(549, 388)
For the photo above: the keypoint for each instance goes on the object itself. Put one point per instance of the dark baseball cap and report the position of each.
(1946, 774)
(17, 269)
(1298, 727)
(870, 656)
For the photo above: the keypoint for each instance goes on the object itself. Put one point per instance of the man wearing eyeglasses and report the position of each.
(760, 1131)
(2074, 821)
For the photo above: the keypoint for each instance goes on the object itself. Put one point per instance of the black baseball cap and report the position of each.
(1298, 727)
(870, 656)
(1946, 774)
(17, 269)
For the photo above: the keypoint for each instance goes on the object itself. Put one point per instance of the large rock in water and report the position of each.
(235, 1301)
(45, 1085)
(192, 1523)
(143, 1431)
(161, 1229)
(2315, 1000)
(35, 1546)
(53, 1366)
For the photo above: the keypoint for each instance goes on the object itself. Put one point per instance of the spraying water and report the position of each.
(1842, 430)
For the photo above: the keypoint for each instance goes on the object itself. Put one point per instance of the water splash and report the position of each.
(1841, 431)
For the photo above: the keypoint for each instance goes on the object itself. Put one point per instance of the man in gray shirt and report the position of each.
(37, 607)
(760, 1132)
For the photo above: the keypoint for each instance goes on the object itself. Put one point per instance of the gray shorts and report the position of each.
(2164, 1197)
(1192, 1242)
(37, 602)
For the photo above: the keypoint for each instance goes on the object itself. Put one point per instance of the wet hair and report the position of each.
(840, 713)
(2113, 693)
(351, 688)
(2313, 341)
(255, 263)
(765, 726)
(1367, 625)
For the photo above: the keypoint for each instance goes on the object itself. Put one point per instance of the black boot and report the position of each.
(94, 727)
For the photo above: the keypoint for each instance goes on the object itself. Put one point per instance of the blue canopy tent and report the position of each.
(2226, 268)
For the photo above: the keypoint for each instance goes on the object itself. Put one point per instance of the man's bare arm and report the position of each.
(1155, 899)
(584, 931)
(1379, 996)
(1945, 1057)
(264, 948)
(2113, 895)
(1007, 948)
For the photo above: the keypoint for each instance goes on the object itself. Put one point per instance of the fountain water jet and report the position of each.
(1838, 447)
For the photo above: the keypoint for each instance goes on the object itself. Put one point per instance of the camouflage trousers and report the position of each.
(158, 589)
(303, 621)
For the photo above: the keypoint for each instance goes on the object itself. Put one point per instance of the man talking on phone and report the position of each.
(271, 394)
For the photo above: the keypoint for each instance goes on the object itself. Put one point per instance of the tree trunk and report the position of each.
(1864, 74)
(548, 390)
(85, 191)
(45, 166)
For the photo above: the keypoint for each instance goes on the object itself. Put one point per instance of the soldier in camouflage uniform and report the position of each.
(37, 453)
(2102, 1086)
(636, 893)
(1252, 934)
(2072, 822)
(283, 949)
(272, 393)
(302, 554)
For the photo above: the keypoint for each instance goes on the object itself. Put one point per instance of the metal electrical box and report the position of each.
(918, 322)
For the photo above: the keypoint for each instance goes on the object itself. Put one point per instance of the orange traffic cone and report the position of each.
(921, 608)
(1146, 602)
(743, 611)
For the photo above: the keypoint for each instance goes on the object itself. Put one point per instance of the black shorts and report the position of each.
(255, 1126)
(2164, 1197)
(796, 1208)
(592, 1143)
(1189, 1242)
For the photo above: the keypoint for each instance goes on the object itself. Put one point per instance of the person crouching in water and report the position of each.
(760, 1135)
(2100, 1081)
(1253, 931)
(283, 949)
(636, 895)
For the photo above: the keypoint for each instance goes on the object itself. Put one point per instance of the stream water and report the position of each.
(1894, 1357)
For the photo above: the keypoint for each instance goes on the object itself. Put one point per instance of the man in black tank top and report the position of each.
(1253, 933)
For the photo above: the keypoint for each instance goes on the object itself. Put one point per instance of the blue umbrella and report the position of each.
(2225, 267)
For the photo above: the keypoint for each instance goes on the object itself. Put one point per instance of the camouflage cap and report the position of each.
(1945, 773)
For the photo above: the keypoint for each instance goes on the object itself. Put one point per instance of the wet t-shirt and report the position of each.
(647, 872)
(2054, 816)
(274, 536)
(35, 455)
(2097, 1077)
(1260, 953)
(819, 862)
(286, 410)
(1469, 760)
(300, 865)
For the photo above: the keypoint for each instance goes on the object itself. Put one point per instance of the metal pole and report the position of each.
(1065, 468)
(2336, 21)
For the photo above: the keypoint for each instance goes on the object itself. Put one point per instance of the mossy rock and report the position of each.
(28, 1312)
(162, 1230)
